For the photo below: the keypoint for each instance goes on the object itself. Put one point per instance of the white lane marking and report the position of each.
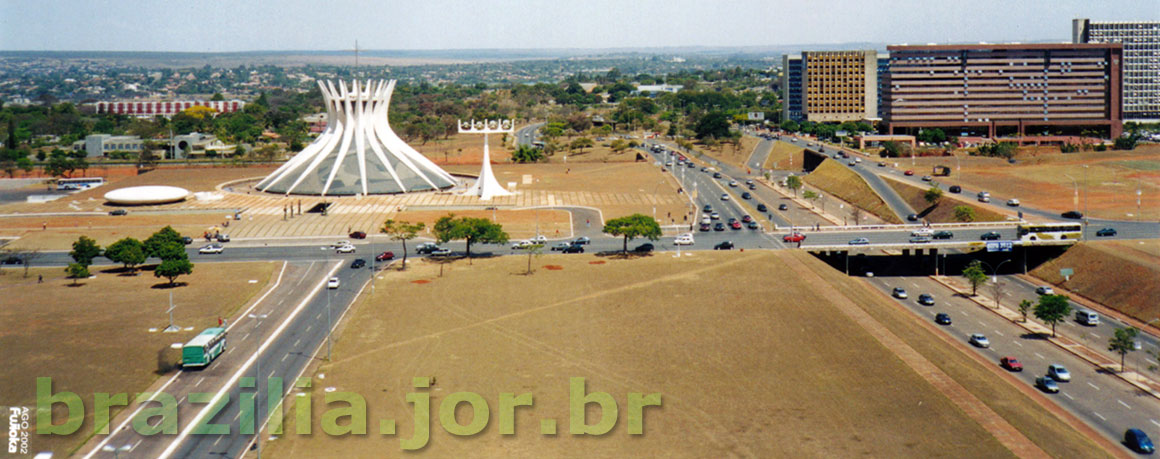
(982, 323)
(1040, 356)
(999, 333)
(1125, 404)
(247, 335)
(1099, 415)
(1094, 386)
(963, 312)
(309, 327)
(1154, 422)
(199, 380)
(1018, 343)
(137, 444)
(1069, 324)
(1098, 337)
(284, 357)
(1068, 396)
(236, 416)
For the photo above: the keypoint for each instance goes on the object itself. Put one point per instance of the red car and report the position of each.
(1011, 364)
(385, 256)
(909, 172)
(358, 235)
(795, 237)
(735, 225)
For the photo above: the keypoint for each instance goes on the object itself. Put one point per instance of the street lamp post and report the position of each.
(258, 380)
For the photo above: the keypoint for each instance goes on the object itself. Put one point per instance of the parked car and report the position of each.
(358, 235)
(1044, 290)
(899, 293)
(1011, 364)
(724, 245)
(1072, 214)
(561, 246)
(991, 236)
(345, 249)
(223, 237)
(1138, 441)
(1058, 372)
(574, 248)
(644, 248)
(859, 241)
(794, 237)
(926, 299)
(942, 318)
(1046, 384)
(746, 195)
(119, 212)
(385, 256)
(426, 247)
(441, 252)
(332, 283)
(1106, 232)
(1013, 202)
(783, 206)
(211, 248)
(762, 208)
(978, 339)
(955, 189)
(943, 235)
(358, 263)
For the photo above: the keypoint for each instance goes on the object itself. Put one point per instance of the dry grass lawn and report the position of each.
(785, 156)
(733, 361)
(838, 180)
(63, 231)
(1122, 275)
(944, 212)
(95, 338)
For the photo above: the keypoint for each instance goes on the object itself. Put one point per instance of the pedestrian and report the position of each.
(587, 223)
(40, 279)
(44, 226)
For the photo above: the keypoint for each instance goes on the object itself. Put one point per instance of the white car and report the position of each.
(345, 249)
(1058, 372)
(684, 239)
(1013, 202)
(212, 248)
(733, 183)
(539, 239)
(1044, 290)
(332, 283)
(979, 340)
(725, 197)
(522, 245)
(340, 244)
(922, 232)
(441, 252)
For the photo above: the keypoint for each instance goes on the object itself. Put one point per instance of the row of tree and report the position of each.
(166, 244)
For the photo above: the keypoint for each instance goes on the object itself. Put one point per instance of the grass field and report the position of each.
(785, 156)
(732, 361)
(96, 338)
(1122, 275)
(63, 231)
(834, 178)
(944, 212)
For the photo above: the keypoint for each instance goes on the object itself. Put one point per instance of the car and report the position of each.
(749, 182)
(706, 227)
(912, 217)
(783, 207)
(706, 219)
(223, 237)
(735, 225)
(426, 247)
(979, 340)
(358, 235)
(1044, 290)
(859, 241)
(12, 260)
(574, 248)
(345, 249)
(920, 239)
(881, 163)
(1072, 214)
(751, 186)
(942, 318)
(685, 239)
(746, 219)
(762, 208)
(991, 236)
(1138, 441)
(332, 283)
(927, 178)
(539, 239)
(519, 245)
(358, 263)
(715, 216)
(926, 299)
(211, 248)
(955, 189)
(1058, 372)
(724, 196)
(716, 175)
(707, 209)
(746, 195)
(752, 225)
(340, 244)
(984, 194)
(1106, 232)
(922, 232)
(1013, 202)
(690, 164)
(852, 163)
(793, 237)
(704, 169)
(984, 199)
(669, 163)
(1011, 364)
(719, 227)
(385, 256)
(561, 246)
(899, 293)
(733, 184)
(119, 212)
(441, 252)
(944, 234)
(731, 221)
(908, 172)
(1046, 384)
(582, 240)
(725, 245)
(186, 240)
(644, 248)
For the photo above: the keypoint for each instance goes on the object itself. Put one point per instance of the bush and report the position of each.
(1126, 142)
(1001, 149)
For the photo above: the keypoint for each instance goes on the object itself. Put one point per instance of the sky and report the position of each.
(240, 25)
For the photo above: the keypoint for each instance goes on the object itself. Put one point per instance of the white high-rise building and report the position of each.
(1141, 67)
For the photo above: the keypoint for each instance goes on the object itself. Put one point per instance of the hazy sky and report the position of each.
(243, 25)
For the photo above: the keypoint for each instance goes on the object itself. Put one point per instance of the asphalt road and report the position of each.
(528, 134)
(897, 205)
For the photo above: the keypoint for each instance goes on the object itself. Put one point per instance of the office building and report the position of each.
(98, 145)
(1141, 69)
(831, 86)
(791, 88)
(151, 108)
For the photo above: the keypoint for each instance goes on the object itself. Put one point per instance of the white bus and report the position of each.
(77, 184)
(1050, 232)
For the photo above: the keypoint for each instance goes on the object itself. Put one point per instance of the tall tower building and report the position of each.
(830, 86)
(1141, 72)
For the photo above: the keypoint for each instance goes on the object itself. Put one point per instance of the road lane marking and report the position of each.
(1094, 386)
(1098, 337)
(1099, 415)
(137, 444)
(1154, 422)
(999, 333)
(1018, 343)
(1122, 403)
(1065, 394)
(284, 357)
(299, 340)
(199, 380)
(1040, 356)
(247, 335)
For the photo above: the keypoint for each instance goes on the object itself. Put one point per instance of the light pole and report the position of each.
(995, 279)
(258, 380)
(116, 450)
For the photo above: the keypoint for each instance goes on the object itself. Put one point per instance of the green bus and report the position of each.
(203, 348)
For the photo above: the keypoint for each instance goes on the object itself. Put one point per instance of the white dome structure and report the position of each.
(358, 154)
(153, 194)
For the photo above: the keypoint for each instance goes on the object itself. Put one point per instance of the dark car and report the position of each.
(752, 186)
(119, 212)
(726, 245)
(1072, 214)
(574, 248)
(943, 235)
(358, 235)
(762, 208)
(956, 189)
(783, 207)
(926, 299)
(752, 225)
(991, 236)
(1046, 384)
(385, 256)
(1138, 441)
(716, 175)
(746, 219)
(11, 261)
(186, 240)
(706, 227)
(719, 227)
(707, 209)
(942, 318)
(746, 195)
(644, 248)
(912, 217)
(358, 263)
(1106, 232)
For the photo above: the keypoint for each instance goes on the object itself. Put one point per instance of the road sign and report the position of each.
(1000, 246)
(1066, 272)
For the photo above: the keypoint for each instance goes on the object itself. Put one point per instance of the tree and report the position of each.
(581, 143)
(402, 231)
(171, 269)
(964, 213)
(933, 195)
(1127, 142)
(471, 230)
(77, 271)
(1052, 309)
(527, 154)
(533, 251)
(85, 250)
(1123, 342)
(128, 251)
(158, 240)
(1024, 308)
(714, 124)
(171, 251)
(975, 275)
(793, 182)
(789, 126)
(632, 227)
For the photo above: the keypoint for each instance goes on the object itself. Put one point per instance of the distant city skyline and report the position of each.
(229, 26)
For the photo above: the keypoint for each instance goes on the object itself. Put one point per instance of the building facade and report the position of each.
(1141, 70)
(99, 145)
(1005, 89)
(830, 86)
(151, 108)
(791, 88)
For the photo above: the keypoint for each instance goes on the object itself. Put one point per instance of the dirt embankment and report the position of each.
(1122, 275)
(944, 211)
(834, 178)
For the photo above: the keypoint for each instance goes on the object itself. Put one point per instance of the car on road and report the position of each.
(794, 237)
(1106, 232)
(1046, 384)
(332, 283)
(944, 234)
(706, 227)
(955, 189)
(859, 241)
(751, 186)
(358, 263)
(852, 163)
(1138, 441)
(644, 248)
(984, 196)
(716, 175)
(426, 247)
(752, 225)
(358, 235)
(388, 255)
(345, 249)
(561, 246)
(1072, 214)
(979, 340)
(922, 232)
(783, 206)
(881, 163)
(186, 240)
(735, 225)
(1013, 202)
(762, 208)
(719, 227)
(715, 216)
(223, 237)
(991, 236)
(899, 293)
(574, 248)
(942, 318)
(927, 178)
(1058, 372)
(733, 184)
(520, 245)
(539, 239)
(211, 248)
(690, 165)
(582, 240)
(912, 217)
(746, 195)
(1011, 364)
(441, 252)
(685, 239)
(119, 212)
(706, 219)
(920, 239)
(746, 219)
(724, 196)
(908, 172)
(1044, 290)
(926, 299)
(12, 260)
(724, 245)
(340, 244)
(706, 209)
